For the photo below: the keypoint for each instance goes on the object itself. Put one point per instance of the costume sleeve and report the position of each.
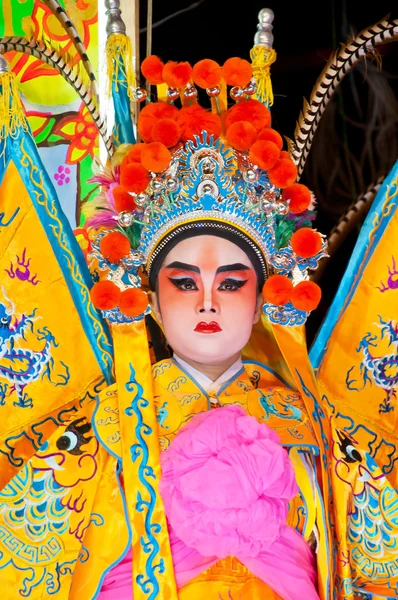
(356, 363)
(54, 346)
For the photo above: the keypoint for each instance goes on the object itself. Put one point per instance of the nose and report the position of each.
(207, 302)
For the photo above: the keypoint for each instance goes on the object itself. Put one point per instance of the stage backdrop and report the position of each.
(62, 128)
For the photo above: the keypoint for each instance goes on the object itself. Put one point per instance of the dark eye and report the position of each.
(353, 453)
(67, 441)
(4, 320)
(186, 284)
(74, 437)
(231, 285)
(348, 449)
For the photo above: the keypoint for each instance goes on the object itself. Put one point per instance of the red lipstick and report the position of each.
(211, 327)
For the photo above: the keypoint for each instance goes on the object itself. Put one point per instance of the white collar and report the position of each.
(204, 381)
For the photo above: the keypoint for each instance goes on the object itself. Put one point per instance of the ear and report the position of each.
(154, 304)
(259, 308)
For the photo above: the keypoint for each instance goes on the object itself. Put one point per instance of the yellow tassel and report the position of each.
(118, 58)
(12, 114)
(262, 59)
(161, 90)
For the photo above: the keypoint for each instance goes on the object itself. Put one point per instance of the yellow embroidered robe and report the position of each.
(178, 398)
(63, 517)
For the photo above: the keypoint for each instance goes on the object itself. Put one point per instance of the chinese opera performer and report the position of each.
(165, 432)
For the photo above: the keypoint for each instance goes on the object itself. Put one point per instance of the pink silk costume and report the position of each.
(249, 480)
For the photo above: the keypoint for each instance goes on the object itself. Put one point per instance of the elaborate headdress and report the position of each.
(196, 171)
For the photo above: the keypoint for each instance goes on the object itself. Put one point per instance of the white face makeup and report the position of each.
(207, 299)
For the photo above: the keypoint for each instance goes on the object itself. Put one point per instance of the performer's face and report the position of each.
(207, 299)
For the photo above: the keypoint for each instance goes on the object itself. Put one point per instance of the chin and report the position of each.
(211, 354)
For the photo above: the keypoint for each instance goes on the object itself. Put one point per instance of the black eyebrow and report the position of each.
(180, 265)
(234, 267)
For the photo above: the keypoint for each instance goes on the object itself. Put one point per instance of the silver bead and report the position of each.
(147, 215)
(139, 94)
(157, 184)
(283, 208)
(173, 93)
(214, 91)
(250, 176)
(236, 93)
(141, 199)
(190, 91)
(114, 21)
(207, 186)
(251, 88)
(266, 206)
(266, 15)
(171, 184)
(264, 36)
(3, 65)
(125, 219)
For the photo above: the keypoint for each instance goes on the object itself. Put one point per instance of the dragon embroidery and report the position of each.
(47, 502)
(382, 370)
(372, 525)
(20, 366)
(283, 410)
(162, 415)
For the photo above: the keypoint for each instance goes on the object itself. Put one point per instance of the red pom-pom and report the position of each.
(271, 135)
(134, 177)
(249, 110)
(150, 114)
(277, 290)
(207, 73)
(177, 74)
(241, 135)
(283, 173)
(264, 154)
(237, 71)
(152, 68)
(105, 295)
(123, 200)
(156, 157)
(195, 119)
(133, 302)
(114, 246)
(133, 155)
(306, 242)
(285, 154)
(306, 296)
(167, 132)
(299, 197)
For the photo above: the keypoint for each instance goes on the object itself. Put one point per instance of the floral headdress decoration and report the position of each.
(225, 166)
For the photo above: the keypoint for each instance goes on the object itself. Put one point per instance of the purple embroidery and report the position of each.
(21, 270)
(392, 281)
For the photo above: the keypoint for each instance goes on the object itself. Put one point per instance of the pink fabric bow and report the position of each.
(226, 487)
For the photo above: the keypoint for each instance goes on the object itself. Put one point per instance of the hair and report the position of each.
(208, 228)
